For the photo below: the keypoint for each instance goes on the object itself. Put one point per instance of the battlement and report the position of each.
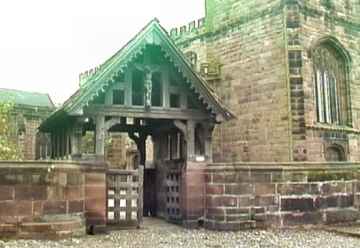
(190, 28)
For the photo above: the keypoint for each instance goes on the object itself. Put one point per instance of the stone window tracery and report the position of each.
(330, 86)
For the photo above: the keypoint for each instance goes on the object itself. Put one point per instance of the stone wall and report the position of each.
(192, 194)
(115, 151)
(50, 199)
(246, 43)
(309, 23)
(95, 198)
(24, 124)
(280, 195)
(262, 52)
(221, 13)
(27, 140)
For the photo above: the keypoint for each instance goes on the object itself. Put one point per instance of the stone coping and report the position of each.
(43, 230)
(332, 128)
(122, 172)
(286, 166)
(53, 164)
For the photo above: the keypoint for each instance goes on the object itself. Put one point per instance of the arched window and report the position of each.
(335, 154)
(330, 85)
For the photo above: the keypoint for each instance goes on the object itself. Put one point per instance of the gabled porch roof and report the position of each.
(95, 82)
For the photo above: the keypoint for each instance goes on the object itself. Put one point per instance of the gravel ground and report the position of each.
(350, 230)
(159, 234)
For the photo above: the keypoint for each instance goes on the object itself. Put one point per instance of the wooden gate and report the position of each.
(150, 205)
(173, 182)
(125, 198)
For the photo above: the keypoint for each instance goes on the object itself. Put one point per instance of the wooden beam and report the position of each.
(140, 112)
(182, 127)
(141, 145)
(76, 137)
(208, 131)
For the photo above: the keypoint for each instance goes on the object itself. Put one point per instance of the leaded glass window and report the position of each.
(330, 86)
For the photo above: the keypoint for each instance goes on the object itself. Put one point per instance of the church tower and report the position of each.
(289, 71)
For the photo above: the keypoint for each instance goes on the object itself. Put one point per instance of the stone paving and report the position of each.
(156, 233)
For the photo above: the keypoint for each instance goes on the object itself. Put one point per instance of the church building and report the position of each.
(246, 118)
(251, 111)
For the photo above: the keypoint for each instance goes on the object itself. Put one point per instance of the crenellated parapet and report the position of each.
(190, 30)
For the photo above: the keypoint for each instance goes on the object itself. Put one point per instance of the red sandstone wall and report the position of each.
(313, 28)
(272, 96)
(29, 145)
(116, 151)
(47, 200)
(27, 194)
(243, 196)
(246, 38)
(24, 127)
(192, 194)
(95, 199)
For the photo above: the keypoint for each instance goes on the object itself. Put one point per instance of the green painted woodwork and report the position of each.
(96, 82)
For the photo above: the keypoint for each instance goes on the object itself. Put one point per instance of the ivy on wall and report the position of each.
(8, 148)
(328, 4)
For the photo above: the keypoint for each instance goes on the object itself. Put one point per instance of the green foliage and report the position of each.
(88, 143)
(330, 176)
(328, 4)
(8, 148)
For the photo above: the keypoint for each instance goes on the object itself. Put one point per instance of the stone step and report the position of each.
(43, 230)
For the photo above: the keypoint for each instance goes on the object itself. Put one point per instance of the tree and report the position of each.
(8, 148)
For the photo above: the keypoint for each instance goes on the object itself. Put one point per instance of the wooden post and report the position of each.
(165, 85)
(190, 140)
(57, 145)
(67, 140)
(40, 151)
(74, 143)
(209, 127)
(141, 145)
(52, 140)
(141, 194)
(61, 149)
(100, 137)
(76, 136)
(142, 149)
(46, 147)
(181, 126)
(148, 89)
(62, 144)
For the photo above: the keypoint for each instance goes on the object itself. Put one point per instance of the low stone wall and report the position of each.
(41, 199)
(280, 195)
